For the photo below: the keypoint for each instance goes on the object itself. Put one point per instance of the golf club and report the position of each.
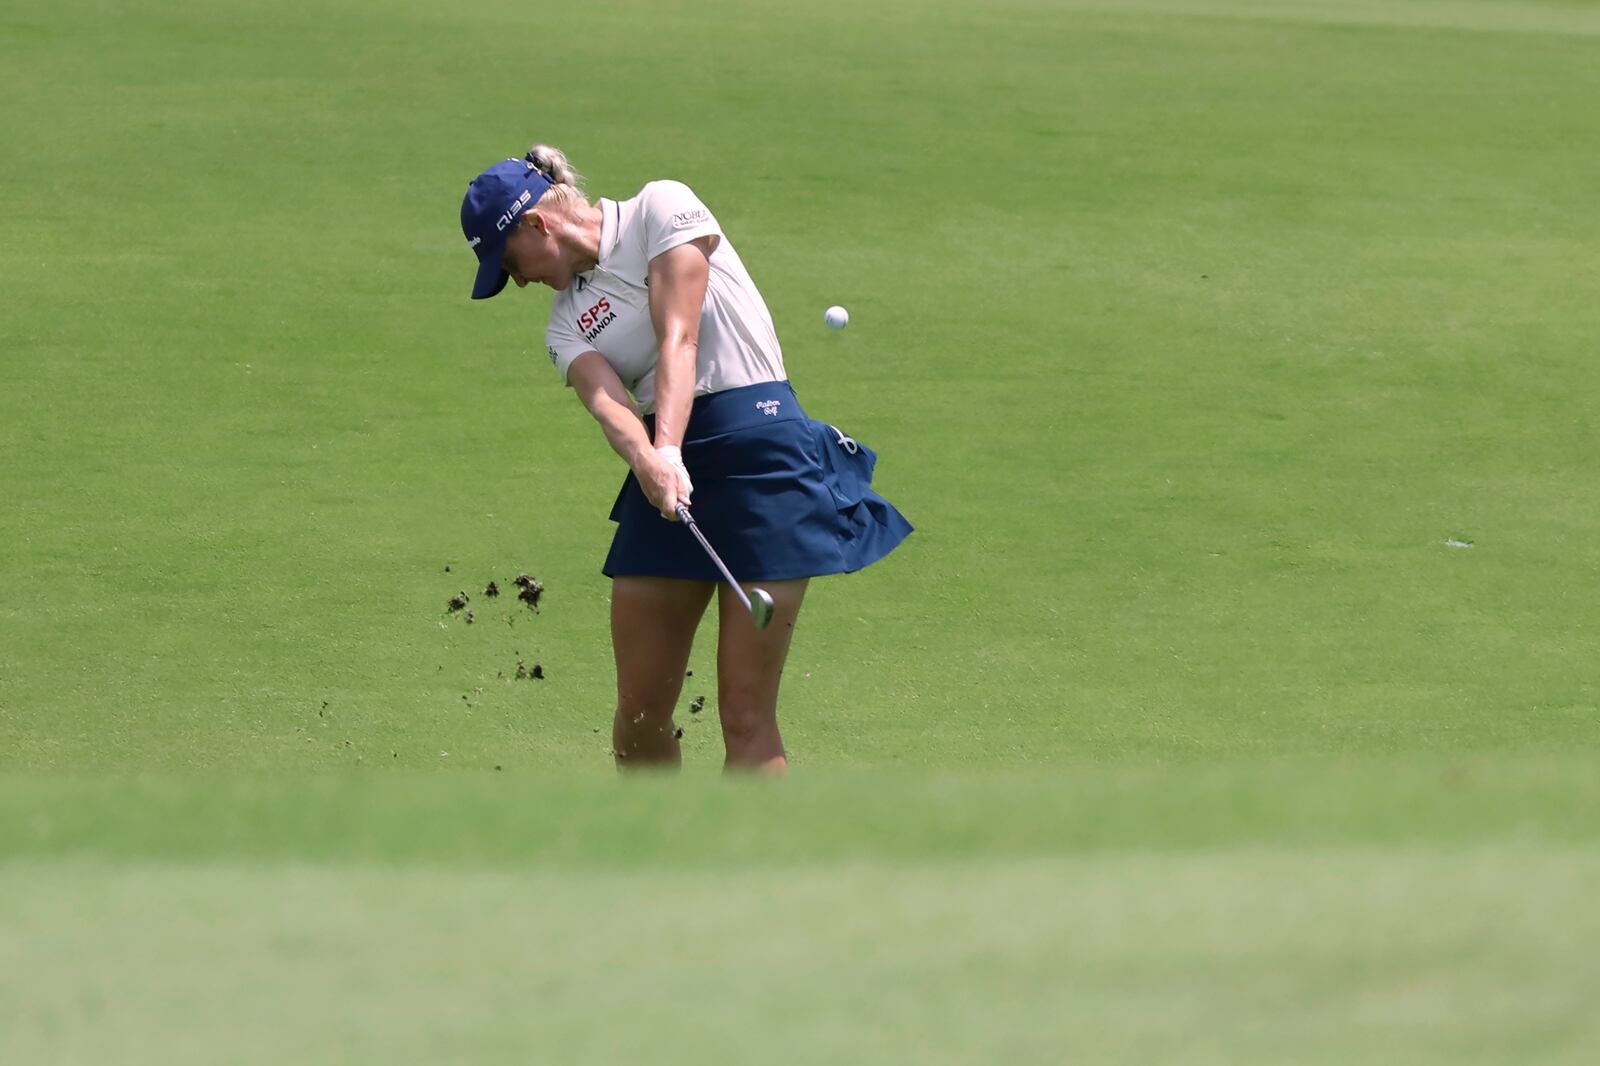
(758, 603)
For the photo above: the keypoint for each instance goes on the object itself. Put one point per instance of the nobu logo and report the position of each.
(690, 218)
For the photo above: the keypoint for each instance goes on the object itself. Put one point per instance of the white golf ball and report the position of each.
(836, 317)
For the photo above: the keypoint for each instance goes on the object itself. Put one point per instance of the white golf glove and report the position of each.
(673, 457)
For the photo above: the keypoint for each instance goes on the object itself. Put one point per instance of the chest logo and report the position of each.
(596, 319)
(769, 407)
(690, 218)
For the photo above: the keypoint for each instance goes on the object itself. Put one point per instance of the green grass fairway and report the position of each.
(1234, 702)
(1211, 958)
(1307, 914)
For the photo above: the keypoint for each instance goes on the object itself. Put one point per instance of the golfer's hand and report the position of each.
(666, 484)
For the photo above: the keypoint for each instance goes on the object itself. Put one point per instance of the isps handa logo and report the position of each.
(597, 318)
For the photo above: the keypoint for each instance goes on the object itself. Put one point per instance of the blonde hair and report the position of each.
(566, 189)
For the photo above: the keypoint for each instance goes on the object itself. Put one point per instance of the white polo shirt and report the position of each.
(607, 310)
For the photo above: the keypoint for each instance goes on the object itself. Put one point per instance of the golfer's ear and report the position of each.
(538, 221)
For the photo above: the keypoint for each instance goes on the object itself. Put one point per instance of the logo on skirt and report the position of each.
(769, 407)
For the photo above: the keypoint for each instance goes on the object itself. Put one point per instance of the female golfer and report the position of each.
(664, 337)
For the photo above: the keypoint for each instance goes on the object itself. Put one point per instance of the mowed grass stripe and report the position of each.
(1225, 955)
(569, 821)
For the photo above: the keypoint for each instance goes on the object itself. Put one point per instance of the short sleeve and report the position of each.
(673, 215)
(564, 345)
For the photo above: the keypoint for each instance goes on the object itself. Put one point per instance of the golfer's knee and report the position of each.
(644, 708)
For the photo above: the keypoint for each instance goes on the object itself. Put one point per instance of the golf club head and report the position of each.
(760, 607)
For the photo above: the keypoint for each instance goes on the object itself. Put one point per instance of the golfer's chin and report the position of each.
(560, 284)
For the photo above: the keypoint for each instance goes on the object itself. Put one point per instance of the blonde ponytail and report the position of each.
(565, 192)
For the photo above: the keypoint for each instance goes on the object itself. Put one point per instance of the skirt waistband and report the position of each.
(731, 410)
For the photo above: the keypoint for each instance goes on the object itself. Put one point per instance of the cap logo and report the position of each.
(474, 242)
(510, 214)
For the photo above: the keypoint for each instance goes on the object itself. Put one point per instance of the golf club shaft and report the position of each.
(688, 520)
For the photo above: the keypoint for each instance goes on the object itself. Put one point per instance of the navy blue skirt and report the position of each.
(779, 496)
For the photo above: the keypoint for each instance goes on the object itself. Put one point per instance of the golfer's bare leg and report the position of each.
(749, 667)
(653, 620)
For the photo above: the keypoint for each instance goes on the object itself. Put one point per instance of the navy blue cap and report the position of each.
(494, 201)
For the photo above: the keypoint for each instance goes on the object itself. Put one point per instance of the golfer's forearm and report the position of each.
(623, 430)
(674, 389)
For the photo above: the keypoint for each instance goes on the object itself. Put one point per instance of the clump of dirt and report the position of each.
(697, 705)
(677, 733)
(457, 602)
(525, 673)
(491, 590)
(531, 588)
